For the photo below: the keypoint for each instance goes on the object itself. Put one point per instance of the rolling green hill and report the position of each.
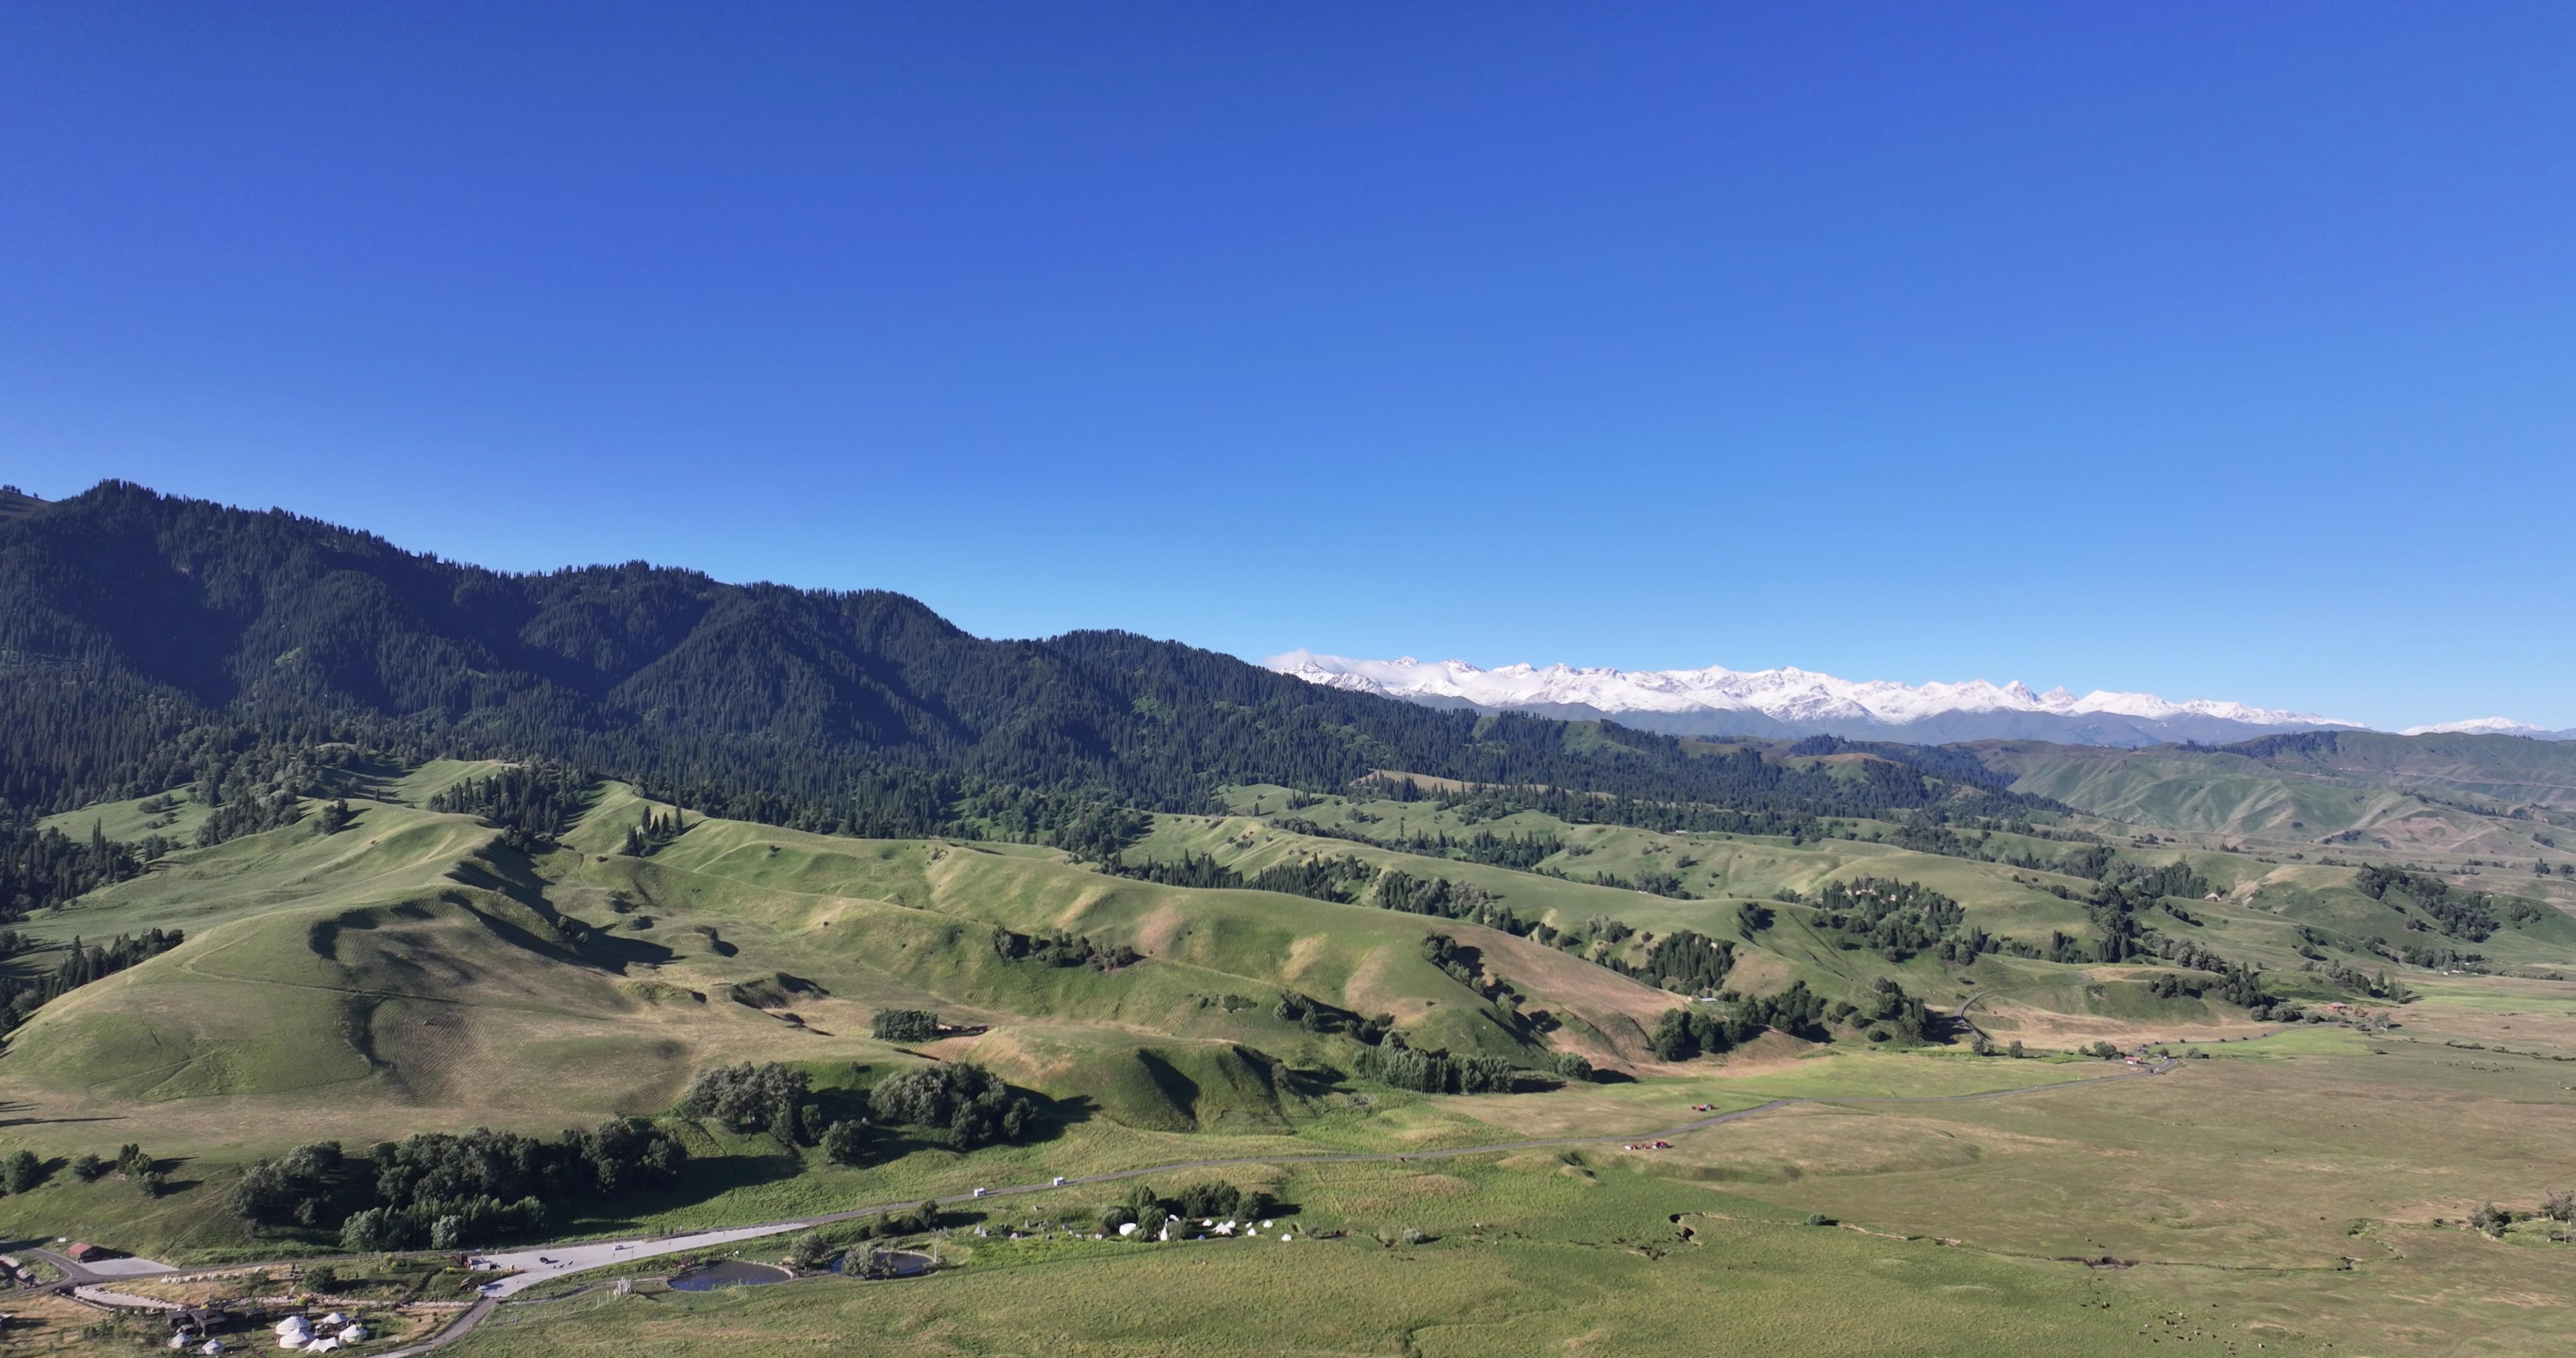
(2461, 796)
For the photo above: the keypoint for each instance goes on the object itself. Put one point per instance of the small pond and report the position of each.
(729, 1273)
(865, 1263)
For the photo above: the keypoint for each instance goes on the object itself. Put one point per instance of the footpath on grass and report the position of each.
(543, 1264)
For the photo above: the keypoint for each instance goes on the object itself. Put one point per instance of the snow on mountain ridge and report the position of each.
(1786, 694)
(2478, 726)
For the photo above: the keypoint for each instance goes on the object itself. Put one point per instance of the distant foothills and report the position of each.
(1790, 703)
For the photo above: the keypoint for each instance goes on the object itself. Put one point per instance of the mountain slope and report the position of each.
(147, 639)
(1794, 702)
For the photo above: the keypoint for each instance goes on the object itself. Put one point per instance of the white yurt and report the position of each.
(294, 1323)
(332, 1321)
(354, 1333)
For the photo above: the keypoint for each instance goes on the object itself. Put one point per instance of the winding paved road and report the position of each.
(548, 1263)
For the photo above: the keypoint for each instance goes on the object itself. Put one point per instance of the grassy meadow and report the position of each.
(2299, 1190)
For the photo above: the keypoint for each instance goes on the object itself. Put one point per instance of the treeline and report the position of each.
(1682, 961)
(41, 867)
(2470, 915)
(963, 1104)
(1436, 1071)
(150, 638)
(21, 996)
(1682, 1034)
(1061, 949)
(445, 1191)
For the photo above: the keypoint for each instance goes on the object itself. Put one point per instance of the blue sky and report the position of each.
(2211, 350)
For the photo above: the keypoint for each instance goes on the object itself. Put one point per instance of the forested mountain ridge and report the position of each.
(144, 637)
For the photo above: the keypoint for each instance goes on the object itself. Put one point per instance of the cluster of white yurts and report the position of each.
(319, 1336)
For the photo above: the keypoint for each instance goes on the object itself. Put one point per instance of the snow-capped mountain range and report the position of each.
(1795, 702)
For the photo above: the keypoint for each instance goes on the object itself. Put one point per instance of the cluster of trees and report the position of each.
(1213, 1200)
(968, 1104)
(1435, 1071)
(1521, 851)
(1061, 949)
(249, 816)
(24, 1171)
(1684, 962)
(1443, 899)
(1897, 919)
(2430, 957)
(1652, 881)
(773, 1097)
(539, 800)
(1317, 878)
(904, 1025)
(131, 1164)
(653, 830)
(1091, 830)
(2470, 915)
(819, 1247)
(1682, 1034)
(1316, 1016)
(41, 867)
(2377, 985)
(1193, 870)
(1465, 966)
(2234, 983)
(1887, 1014)
(1323, 879)
(446, 1191)
(21, 996)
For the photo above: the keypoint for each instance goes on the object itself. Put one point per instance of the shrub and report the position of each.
(845, 1143)
(904, 1025)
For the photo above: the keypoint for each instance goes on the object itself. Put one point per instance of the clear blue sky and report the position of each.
(2206, 349)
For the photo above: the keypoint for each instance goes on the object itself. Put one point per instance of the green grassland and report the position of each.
(128, 821)
(1706, 1251)
(414, 971)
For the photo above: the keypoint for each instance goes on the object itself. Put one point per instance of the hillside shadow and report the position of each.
(14, 1105)
(704, 1179)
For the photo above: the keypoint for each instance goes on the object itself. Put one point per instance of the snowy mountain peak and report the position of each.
(2479, 726)
(1787, 700)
